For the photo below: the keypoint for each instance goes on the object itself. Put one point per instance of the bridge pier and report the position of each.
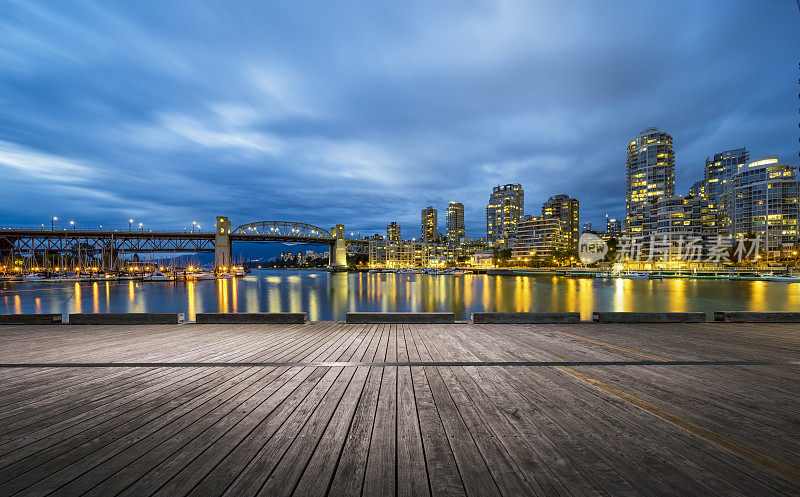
(6, 253)
(337, 258)
(223, 255)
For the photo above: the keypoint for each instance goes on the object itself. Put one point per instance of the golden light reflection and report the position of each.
(677, 299)
(78, 308)
(295, 294)
(313, 304)
(621, 294)
(498, 293)
(192, 309)
(586, 298)
(274, 298)
(792, 297)
(486, 299)
(131, 292)
(222, 295)
(18, 305)
(95, 297)
(234, 296)
(572, 289)
(38, 305)
(758, 291)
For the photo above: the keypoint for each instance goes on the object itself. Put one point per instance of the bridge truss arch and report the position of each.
(284, 229)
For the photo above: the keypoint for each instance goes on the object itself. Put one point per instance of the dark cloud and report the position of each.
(364, 113)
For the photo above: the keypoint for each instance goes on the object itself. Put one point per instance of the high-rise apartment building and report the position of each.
(430, 225)
(393, 231)
(698, 189)
(613, 226)
(455, 223)
(506, 207)
(650, 176)
(718, 180)
(763, 201)
(566, 210)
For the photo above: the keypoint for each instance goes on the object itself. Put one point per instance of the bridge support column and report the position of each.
(6, 254)
(223, 255)
(338, 255)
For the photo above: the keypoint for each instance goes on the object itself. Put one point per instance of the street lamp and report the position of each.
(72, 223)
(53, 223)
(194, 223)
(130, 222)
(140, 226)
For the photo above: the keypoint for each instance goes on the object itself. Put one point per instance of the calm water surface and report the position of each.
(328, 296)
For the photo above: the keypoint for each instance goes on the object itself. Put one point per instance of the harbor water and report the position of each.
(328, 296)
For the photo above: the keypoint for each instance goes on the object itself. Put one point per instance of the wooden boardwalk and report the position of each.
(334, 409)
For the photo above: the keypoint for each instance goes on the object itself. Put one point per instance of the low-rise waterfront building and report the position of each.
(538, 238)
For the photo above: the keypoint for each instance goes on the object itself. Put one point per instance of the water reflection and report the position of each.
(96, 297)
(328, 296)
(78, 306)
(191, 311)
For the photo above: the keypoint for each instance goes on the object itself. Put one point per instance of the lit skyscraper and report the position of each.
(613, 226)
(698, 189)
(455, 223)
(718, 180)
(566, 210)
(650, 176)
(393, 231)
(764, 202)
(506, 207)
(430, 225)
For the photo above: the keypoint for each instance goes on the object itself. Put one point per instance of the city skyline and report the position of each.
(128, 117)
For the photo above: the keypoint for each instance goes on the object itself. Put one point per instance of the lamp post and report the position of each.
(72, 223)
(53, 223)
(140, 226)
(130, 222)
(194, 223)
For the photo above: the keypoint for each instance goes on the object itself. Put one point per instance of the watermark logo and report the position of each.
(591, 248)
(664, 248)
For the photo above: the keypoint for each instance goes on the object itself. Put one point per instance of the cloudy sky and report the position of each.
(366, 112)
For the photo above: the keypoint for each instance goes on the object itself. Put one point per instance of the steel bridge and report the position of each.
(117, 243)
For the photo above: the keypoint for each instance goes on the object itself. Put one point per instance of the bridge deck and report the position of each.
(692, 409)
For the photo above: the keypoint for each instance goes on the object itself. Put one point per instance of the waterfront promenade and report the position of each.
(328, 408)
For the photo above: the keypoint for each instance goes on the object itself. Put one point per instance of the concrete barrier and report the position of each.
(525, 317)
(251, 318)
(125, 318)
(757, 317)
(30, 318)
(400, 317)
(649, 317)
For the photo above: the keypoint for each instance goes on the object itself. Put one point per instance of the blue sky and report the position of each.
(366, 112)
